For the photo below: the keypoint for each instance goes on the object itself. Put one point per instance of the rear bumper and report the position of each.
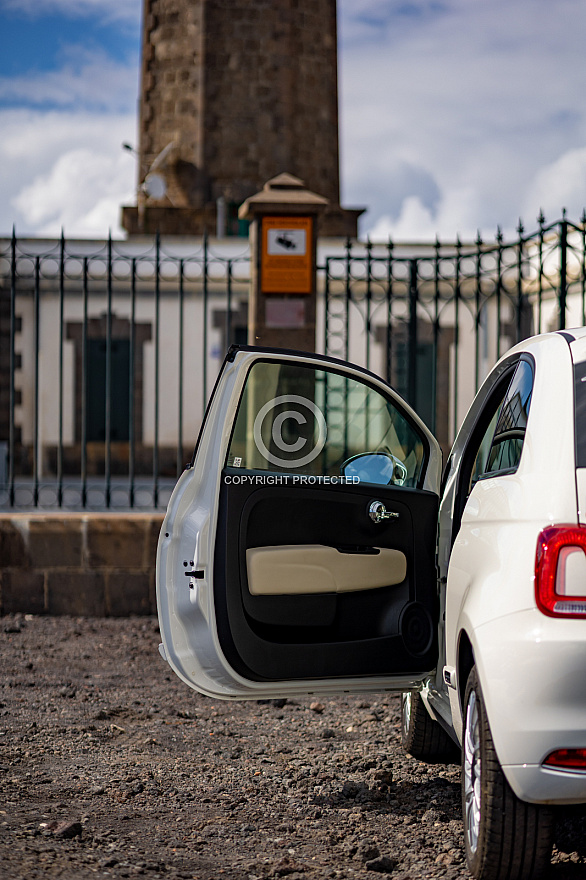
(540, 785)
(532, 671)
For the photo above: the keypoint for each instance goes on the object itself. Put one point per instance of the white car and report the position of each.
(312, 547)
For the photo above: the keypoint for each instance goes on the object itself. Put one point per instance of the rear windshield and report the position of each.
(580, 413)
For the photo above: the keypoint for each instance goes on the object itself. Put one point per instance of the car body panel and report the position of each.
(490, 566)
(534, 688)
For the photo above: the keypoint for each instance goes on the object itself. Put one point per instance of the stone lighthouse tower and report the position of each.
(234, 92)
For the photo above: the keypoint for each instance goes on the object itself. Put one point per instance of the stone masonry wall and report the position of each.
(270, 100)
(246, 89)
(86, 565)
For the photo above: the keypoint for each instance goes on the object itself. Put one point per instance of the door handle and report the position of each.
(378, 512)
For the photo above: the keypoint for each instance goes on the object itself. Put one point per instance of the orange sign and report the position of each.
(286, 255)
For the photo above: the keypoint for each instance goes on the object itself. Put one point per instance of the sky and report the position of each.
(456, 116)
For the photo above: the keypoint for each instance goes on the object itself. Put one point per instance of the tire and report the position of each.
(505, 837)
(422, 737)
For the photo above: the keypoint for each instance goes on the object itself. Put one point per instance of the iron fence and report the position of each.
(109, 349)
(441, 318)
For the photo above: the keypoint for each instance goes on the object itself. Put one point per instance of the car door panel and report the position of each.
(385, 629)
(225, 640)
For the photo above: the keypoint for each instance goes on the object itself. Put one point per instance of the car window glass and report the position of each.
(580, 413)
(481, 459)
(296, 419)
(509, 431)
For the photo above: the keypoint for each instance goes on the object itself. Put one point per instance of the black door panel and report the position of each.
(388, 630)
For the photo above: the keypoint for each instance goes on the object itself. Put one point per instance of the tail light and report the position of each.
(560, 571)
(567, 759)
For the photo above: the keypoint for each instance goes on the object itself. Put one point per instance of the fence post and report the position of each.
(180, 379)
(389, 358)
(541, 221)
(457, 333)
(61, 368)
(563, 291)
(108, 414)
(12, 401)
(368, 300)
(348, 296)
(204, 371)
(499, 287)
(37, 345)
(412, 352)
(520, 298)
(131, 397)
(157, 353)
(84, 375)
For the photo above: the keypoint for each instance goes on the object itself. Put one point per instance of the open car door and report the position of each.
(298, 550)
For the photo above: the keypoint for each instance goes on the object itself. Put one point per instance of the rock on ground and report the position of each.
(112, 767)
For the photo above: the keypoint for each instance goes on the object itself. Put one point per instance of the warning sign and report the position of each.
(286, 255)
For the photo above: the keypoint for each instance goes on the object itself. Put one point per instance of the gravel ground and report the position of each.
(110, 766)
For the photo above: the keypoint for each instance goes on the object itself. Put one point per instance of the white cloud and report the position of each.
(482, 97)
(64, 170)
(562, 183)
(415, 223)
(81, 191)
(87, 79)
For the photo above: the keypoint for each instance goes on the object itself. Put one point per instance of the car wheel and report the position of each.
(505, 837)
(422, 737)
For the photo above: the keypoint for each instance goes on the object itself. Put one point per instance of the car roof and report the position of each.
(573, 333)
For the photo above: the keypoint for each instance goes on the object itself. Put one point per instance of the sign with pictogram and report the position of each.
(286, 248)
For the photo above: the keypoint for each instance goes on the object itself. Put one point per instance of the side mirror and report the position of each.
(381, 468)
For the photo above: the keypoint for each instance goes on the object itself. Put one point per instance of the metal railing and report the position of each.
(441, 319)
(109, 350)
(157, 303)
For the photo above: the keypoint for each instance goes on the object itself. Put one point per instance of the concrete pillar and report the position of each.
(283, 244)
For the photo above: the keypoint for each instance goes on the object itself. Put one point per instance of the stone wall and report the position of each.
(92, 565)
(235, 92)
(270, 100)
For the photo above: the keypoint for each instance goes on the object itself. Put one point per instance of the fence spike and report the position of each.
(478, 241)
(541, 217)
(583, 217)
(564, 213)
(520, 228)
(499, 235)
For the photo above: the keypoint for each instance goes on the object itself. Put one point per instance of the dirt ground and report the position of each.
(112, 767)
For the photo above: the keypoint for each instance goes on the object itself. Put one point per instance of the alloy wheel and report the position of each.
(406, 712)
(471, 770)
